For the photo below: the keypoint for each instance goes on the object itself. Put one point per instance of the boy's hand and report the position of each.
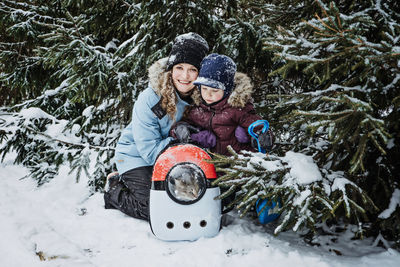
(241, 135)
(205, 138)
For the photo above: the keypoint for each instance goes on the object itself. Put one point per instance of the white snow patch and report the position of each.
(303, 168)
(62, 220)
(394, 203)
(35, 113)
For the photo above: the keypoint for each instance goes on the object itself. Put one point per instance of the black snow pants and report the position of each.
(131, 194)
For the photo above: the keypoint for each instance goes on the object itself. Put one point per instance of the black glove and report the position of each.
(183, 130)
(266, 140)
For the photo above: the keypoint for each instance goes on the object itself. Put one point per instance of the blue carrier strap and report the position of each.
(266, 213)
(265, 128)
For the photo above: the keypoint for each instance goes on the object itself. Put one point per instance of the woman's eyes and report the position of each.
(191, 70)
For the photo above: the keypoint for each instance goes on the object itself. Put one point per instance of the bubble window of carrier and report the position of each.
(186, 183)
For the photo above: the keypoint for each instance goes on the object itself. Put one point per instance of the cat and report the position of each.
(187, 187)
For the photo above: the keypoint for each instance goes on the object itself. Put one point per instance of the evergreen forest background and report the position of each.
(326, 76)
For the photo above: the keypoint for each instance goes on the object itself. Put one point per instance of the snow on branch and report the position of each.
(393, 205)
(309, 195)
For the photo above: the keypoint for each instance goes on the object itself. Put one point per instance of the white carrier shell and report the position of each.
(171, 221)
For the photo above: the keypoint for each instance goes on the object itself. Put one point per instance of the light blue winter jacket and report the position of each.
(147, 134)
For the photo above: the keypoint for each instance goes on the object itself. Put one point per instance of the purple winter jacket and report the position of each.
(223, 118)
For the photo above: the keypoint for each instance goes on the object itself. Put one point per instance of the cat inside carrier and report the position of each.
(182, 199)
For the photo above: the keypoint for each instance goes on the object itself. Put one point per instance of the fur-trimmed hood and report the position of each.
(240, 95)
(157, 73)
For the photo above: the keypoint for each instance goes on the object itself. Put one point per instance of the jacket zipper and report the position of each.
(211, 118)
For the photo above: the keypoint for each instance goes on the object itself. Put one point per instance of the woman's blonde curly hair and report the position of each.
(168, 95)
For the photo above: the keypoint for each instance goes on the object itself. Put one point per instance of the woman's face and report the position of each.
(183, 76)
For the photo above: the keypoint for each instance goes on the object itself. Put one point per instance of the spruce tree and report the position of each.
(344, 113)
(74, 70)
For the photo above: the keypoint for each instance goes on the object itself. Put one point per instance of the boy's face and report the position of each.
(183, 76)
(211, 95)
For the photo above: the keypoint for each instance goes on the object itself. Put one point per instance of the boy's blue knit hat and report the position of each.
(217, 71)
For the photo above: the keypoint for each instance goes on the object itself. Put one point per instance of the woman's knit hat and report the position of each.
(188, 48)
(217, 71)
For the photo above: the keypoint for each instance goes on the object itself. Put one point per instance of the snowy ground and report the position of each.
(60, 223)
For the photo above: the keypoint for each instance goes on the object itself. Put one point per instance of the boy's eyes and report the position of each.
(212, 90)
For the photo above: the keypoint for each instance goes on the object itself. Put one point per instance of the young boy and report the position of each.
(222, 109)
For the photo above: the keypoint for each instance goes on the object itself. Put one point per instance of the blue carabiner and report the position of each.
(253, 134)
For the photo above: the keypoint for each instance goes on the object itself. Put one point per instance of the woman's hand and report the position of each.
(182, 131)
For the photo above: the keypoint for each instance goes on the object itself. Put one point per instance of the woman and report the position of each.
(154, 112)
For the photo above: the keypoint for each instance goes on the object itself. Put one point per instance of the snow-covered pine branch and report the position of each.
(310, 196)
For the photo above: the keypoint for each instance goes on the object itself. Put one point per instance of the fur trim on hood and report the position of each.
(157, 74)
(240, 95)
